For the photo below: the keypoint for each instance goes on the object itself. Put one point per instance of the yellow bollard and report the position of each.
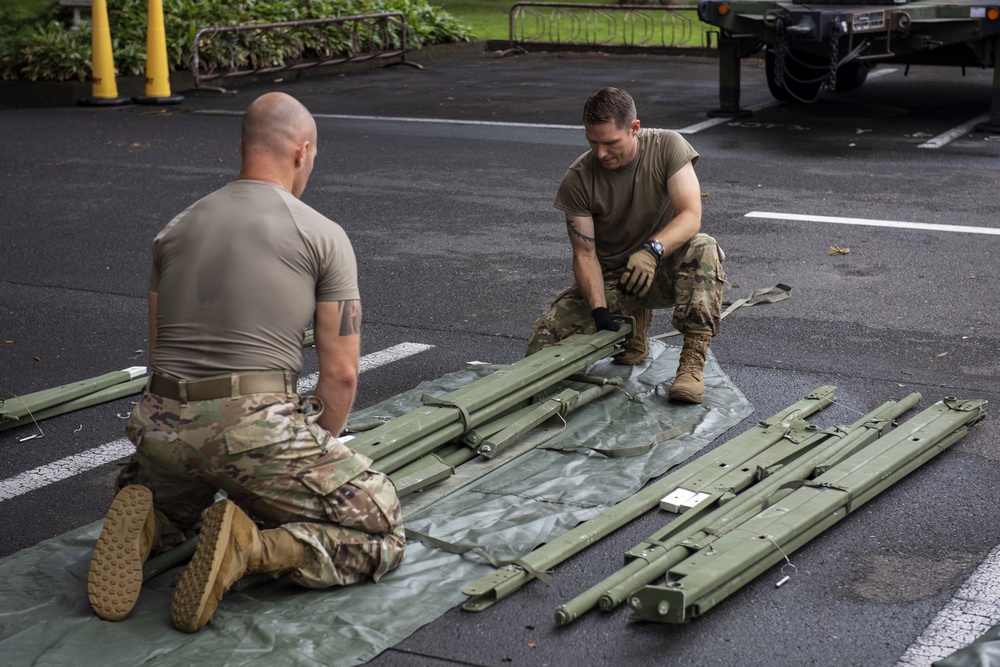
(104, 91)
(157, 71)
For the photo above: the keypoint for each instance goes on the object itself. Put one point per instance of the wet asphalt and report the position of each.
(444, 178)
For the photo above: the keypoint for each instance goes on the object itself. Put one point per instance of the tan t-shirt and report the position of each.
(629, 204)
(237, 277)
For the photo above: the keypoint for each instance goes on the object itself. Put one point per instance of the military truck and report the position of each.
(818, 45)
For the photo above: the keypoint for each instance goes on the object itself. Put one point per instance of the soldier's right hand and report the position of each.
(603, 321)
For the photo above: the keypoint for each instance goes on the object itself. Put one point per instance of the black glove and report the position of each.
(603, 321)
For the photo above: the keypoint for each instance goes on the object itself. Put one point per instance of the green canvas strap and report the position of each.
(459, 549)
(463, 412)
(635, 450)
(784, 292)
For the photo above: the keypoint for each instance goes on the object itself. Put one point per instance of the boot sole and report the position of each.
(630, 361)
(115, 576)
(684, 397)
(195, 588)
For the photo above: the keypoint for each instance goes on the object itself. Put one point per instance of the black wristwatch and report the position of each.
(654, 247)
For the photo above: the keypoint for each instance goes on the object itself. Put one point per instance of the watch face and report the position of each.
(658, 247)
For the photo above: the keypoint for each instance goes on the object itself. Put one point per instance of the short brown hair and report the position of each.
(609, 105)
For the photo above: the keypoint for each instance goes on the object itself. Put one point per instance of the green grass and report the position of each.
(490, 19)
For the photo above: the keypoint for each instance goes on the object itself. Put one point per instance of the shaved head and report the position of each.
(278, 143)
(276, 121)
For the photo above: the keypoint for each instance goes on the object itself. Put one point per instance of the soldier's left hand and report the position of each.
(637, 277)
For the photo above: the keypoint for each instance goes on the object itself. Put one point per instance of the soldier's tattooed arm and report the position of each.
(571, 225)
(350, 317)
(586, 266)
(338, 347)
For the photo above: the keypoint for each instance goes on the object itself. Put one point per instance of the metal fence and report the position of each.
(632, 27)
(293, 46)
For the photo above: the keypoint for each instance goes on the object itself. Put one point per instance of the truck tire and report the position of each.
(851, 75)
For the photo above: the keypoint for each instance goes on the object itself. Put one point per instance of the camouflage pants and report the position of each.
(272, 459)
(691, 280)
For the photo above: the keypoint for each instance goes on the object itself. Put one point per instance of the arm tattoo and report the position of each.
(573, 230)
(350, 317)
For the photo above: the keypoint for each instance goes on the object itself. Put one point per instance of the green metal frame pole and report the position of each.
(18, 407)
(730, 560)
(522, 378)
(800, 540)
(661, 551)
(403, 449)
(429, 469)
(507, 580)
(96, 398)
(666, 548)
(79, 395)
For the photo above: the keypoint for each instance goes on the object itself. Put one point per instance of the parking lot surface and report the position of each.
(878, 208)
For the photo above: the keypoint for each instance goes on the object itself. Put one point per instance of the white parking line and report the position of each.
(875, 223)
(119, 449)
(879, 73)
(64, 468)
(954, 133)
(370, 361)
(967, 616)
(705, 124)
(712, 122)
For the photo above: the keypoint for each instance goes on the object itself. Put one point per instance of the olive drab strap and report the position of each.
(459, 549)
(635, 450)
(784, 292)
(463, 412)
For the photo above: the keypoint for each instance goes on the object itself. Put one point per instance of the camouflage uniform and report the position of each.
(691, 280)
(269, 455)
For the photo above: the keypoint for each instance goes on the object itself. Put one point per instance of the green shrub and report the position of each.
(52, 48)
(18, 11)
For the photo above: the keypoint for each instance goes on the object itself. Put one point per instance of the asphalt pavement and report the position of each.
(444, 179)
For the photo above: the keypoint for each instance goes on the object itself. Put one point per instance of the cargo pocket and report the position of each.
(263, 433)
(376, 489)
(328, 474)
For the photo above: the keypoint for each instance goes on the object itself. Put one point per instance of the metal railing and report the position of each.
(632, 27)
(293, 46)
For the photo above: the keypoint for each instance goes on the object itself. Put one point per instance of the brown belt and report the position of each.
(223, 386)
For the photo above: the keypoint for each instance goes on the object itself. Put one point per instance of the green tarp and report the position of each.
(45, 618)
(984, 652)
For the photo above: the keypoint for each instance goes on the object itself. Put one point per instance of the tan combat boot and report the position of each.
(130, 532)
(636, 348)
(689, 383)
(229, 546)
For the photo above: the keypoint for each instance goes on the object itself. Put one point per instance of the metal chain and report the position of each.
(837, 28)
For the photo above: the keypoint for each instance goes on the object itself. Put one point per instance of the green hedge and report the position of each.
(49, 47)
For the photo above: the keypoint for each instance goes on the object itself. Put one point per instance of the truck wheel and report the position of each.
(804, 74)
(851, 75)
